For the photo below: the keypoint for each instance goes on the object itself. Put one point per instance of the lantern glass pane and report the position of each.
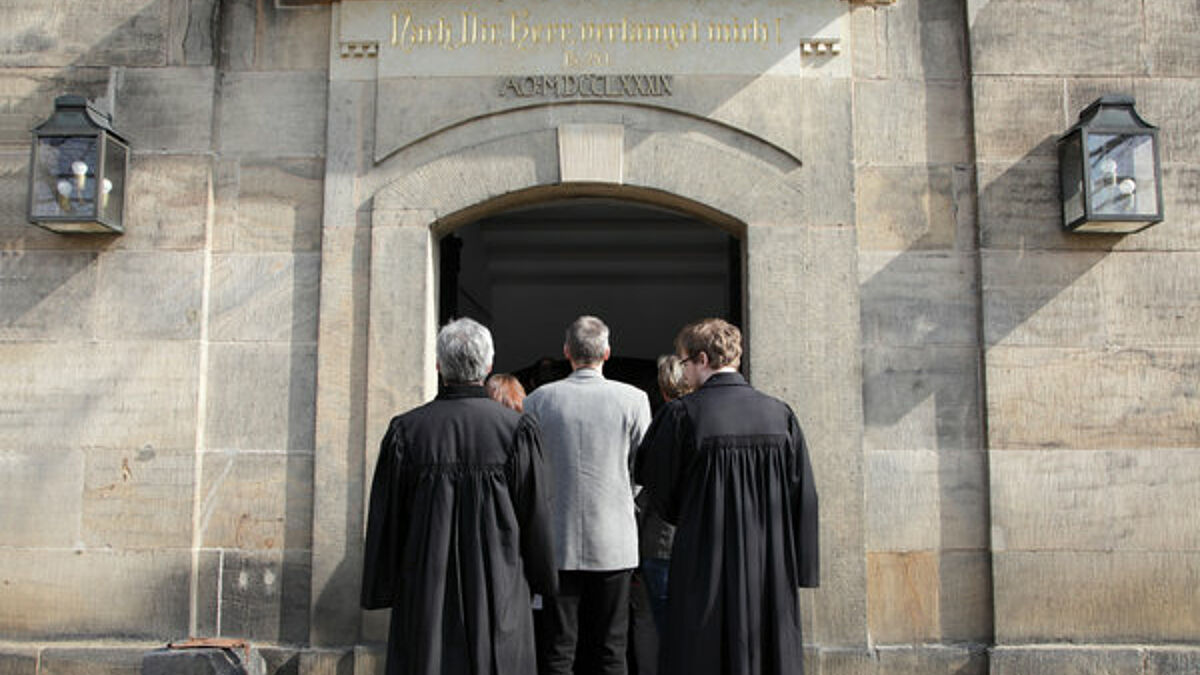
(1070, 161)
(112, 187)
(64, 180)
(1121, 167)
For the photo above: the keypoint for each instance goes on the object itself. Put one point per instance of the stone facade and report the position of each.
(1002, 415)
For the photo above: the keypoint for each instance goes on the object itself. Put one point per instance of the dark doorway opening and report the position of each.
(646, 271)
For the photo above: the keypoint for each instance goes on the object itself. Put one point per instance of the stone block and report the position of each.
(921, 399)
(919, 501)
(18, 660)
(271, 206)
(1018, 117)
(278, 114)
(91, 660)
(270, 297)
(331, 662)
(60, 33)
(906, 208)
(293, 40)
(150, 296)
(1066, 660)
(911, 122)
(931, 659)
(1172, 660)
(965, 586)
(910, 42)
(1091, 399)
(48, 295)
(265, 595)
(591, 152)
(239, 26)
(63, 593)
(138, 498)
(1045, 500)
(166, 109)
(918, 299)
(266, 401)
(98, 395)
(1096, 597)
(1149, 298)
(1013, 36)
(192, 40)
(1044, 298)
(1172, 41)
(193, 661)
(167, 203)
(257, 501)
(28, 96)
(902, 597)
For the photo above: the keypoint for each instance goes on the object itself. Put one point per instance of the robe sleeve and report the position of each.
(385, 525)
(804, 506)
(530, 489)
(659, 462)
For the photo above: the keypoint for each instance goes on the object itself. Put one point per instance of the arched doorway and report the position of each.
(646, 270)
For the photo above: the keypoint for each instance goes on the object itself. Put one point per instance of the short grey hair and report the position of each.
(464, 351)
(587, 340)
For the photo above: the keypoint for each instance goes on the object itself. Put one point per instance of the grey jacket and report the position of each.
(590, 428)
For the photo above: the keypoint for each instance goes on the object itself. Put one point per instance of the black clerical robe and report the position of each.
(729, 467)
(458, 535)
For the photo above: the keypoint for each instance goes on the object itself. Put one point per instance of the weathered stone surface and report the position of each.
(167, 202)
(123, 660)
(916, 298)
(906, 208)
(1096, 596)
(1096, 501)
(1043, 298)
(1066, 660)
(265, 595)
(923, 40)
(138, 498)
(47, 295)
(270, 205)
(197, 661)
(921, 398)
(165, 109)
(193, 23)
(98, 395)
(921, 500)
(1058, 37)
(279, 114)
(265, 297)
(1150, 299)
(1019, 208)
(257, 501)
(904, 122)
(63, 593)
(150, 296)
(591, 152)
(929, 659)
(965, 586)
(41, 497)
(60, 33)
(293, 40)
(1172, 45)
(1171, 660)
(903, 597)
(18, 660)
(266, 400)
(1125, 398)
(1018, 117)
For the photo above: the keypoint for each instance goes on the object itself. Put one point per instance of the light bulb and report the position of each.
(80, 170)
(105, 188)
(64, 188)
(64, 195)
(1127, 186)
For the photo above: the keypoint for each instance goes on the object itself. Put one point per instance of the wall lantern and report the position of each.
(77, 170)
(1109, 173)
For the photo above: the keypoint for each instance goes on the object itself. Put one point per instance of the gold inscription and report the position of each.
(587, 86)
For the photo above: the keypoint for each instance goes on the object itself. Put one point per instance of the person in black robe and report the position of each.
(729, 467)
(458, 530)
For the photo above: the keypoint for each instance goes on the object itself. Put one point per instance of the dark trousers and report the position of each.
(584, 630)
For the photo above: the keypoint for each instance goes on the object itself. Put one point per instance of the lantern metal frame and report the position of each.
(78, 170)
(1105, 162)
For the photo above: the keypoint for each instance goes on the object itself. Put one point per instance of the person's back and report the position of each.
(591, 427)
(728, 465)
(458, 536)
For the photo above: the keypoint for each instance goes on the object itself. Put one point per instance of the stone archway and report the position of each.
(379, 306)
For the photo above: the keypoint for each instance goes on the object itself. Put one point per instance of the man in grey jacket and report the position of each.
(590, 428)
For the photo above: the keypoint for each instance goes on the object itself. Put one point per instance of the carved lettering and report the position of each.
(587, 86)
